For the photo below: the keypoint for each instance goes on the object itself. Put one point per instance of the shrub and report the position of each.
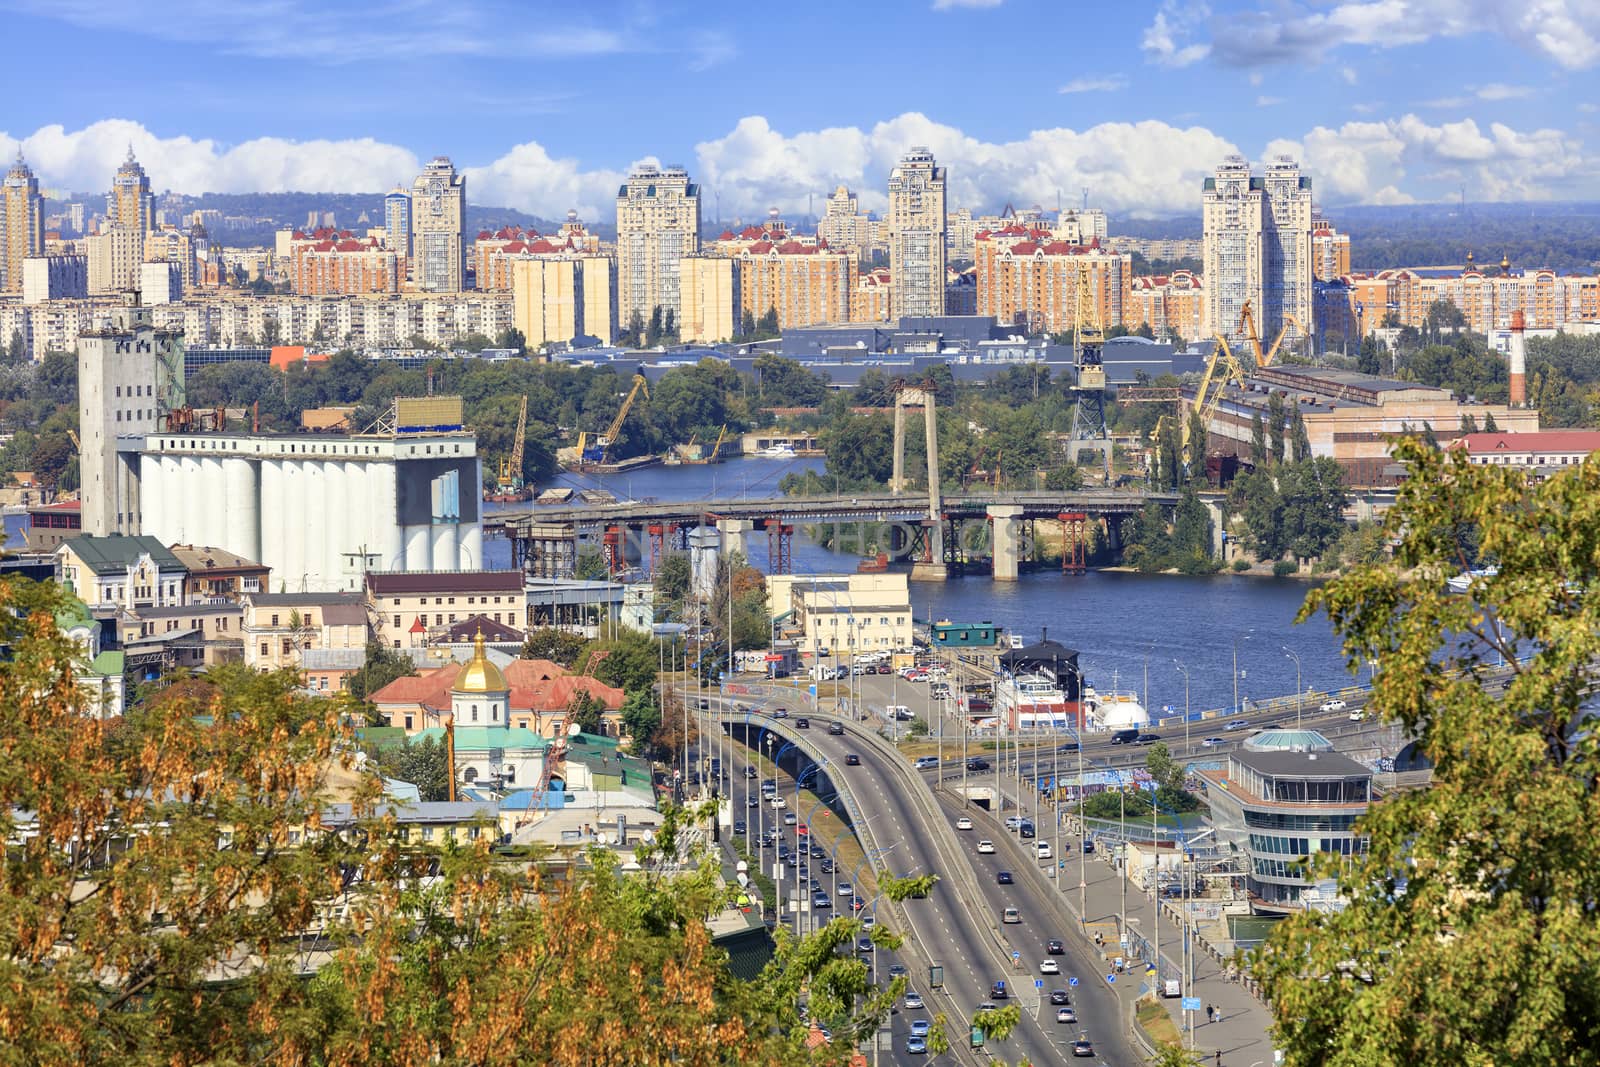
(1284, 568)
(1241, 565)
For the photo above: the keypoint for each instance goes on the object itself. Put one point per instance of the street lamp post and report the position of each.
(1299, 701)
(1185, 671)
(1236, 639)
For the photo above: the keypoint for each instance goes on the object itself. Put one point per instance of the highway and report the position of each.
(958, 926)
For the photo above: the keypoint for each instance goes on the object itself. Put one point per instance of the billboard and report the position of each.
(427, 414)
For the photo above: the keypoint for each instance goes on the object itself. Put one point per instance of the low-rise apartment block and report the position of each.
(411, 610)
(278, 627)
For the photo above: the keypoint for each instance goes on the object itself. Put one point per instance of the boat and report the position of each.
(559, 494)
(874, 565)
(1463, 581)
(783, 450)
(1114, 710)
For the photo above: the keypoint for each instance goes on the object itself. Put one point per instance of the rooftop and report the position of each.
(201, 558)
(409, 583)
(115, 554)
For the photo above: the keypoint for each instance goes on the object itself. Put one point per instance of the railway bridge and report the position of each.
(966, 529)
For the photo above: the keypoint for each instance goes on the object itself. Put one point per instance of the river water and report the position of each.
(1132, 630)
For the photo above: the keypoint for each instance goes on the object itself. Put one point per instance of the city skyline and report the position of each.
(1383, 103)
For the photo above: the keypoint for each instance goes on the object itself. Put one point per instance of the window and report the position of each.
(264, 648)
(408, 722)
(452, 601)
(474, 713)
(438, 620)
(397, 620)
(452, 616)
(274, 620)
(287, 645)
(396, 601)
(437, 601)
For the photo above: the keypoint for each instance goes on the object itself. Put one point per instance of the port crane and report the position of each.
(1208, 397)
(1247, 324)
(600, 450)
(510, 480)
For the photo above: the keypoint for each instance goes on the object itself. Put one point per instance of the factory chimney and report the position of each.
(1519, 361)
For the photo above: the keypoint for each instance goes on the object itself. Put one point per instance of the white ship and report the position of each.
(1115, 711)
(1463, 581)
(778, 451)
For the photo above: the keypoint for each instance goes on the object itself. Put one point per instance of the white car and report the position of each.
(1356, 715)
(1042, 851)
(963, 823)
(913, 1001)
(1049, 967)
(777, 801)
(985, 848)
(1333, 705)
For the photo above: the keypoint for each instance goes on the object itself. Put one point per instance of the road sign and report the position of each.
(1111, 979)
(1038, 983)
(1073, 981)
(1191, 1003)
(1016, 957)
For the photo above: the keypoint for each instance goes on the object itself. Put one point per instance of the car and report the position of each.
(1011, 916)
(926, 763)
(1356, 714)
(987, 1005)
(864, 945)
(776, 801)
(820, 901)
(1332, 705)
(1049, 966)
(1213, 742)
(1004, 878)
(898, 969)
(1054, 947)
(998, 991)
(1147, 739)
(868, 923)
(857, 904)
(818, 852)
(1041, 850)
(916, 1046)
(780, 713)
(802, 723)
(852, 760)
(825, 865)
(739, 826)
(1012, 822)
(845, 889)
(753, 802)
(1125, 737)
(920, 1027)
(749, 771)
(790, 818)
(1082, 1047)
(985, 848)
(1238, 724)
(913, 1001)
(836, 729)
(977, 764)
(963, 823)
(1025, 828)
(1088, 846)
(1060, 996)
(1066, 1015)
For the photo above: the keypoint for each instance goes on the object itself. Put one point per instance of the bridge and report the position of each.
(963, 529)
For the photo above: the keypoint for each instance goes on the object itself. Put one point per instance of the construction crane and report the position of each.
(510, 480)
(1247, 324)
(1207, 398)
(600, 450)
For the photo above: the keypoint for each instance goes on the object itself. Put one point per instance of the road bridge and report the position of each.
(972, 530)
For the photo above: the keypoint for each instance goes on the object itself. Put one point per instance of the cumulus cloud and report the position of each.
(1148, 167)
(1499, 91)
(1105, 83)
(1564, 31)
(1349, 75)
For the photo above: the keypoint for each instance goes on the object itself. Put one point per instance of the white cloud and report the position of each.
(1148, 167)
(1498, 91)
(1349, 75)
(1268, 101)
(949, 5)
(1564, 31)
(1103, 83)
(1167, 40)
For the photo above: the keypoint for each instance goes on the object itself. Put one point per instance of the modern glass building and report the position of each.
(1285, 797)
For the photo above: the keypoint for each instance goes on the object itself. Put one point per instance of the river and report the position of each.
(1128, 627)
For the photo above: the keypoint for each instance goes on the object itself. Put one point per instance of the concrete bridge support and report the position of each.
(1005, 540)
(703, 542)
(736, 536)
(1219, 517)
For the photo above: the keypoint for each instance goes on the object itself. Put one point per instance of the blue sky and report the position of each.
(546, 104)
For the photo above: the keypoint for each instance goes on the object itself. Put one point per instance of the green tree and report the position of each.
(1467, 932)
(16, 349)
(1370, 359)
(1258, 441)
(590, 566)
(1469, 424)
(382, 666)
(671, 579)
(561, 647)
(641, 718)
(588, 711)
(652, 332)
(1489, 425)
(422, 762)
(1275, 419)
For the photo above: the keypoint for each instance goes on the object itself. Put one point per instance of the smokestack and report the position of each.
(1519, 361)
(450, 753)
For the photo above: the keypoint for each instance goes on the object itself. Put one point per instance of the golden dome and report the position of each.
(479, 675)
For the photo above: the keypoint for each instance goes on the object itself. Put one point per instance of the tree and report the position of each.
(1370, 359)
(1258, 441)
(1300, 440)
(590, 566)
(588, 711)
(16, 349)
(768, 326)
(1467, 929)
(641, 718)
(177, 862)
(561, 647)
(424, 763)
(1469, 424)
(652, 332)
(671, 579)
(382, 666)
(1275, 417)
(1489, 425)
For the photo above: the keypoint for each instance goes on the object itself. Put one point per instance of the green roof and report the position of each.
(382, 736)
(482, 738)
(107, 664)
(114, 555)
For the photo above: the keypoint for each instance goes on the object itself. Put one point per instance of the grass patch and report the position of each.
(1156, 1022)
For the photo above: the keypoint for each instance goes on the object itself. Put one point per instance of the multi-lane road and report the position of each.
(958, 927)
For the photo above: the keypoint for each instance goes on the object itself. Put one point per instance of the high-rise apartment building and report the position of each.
(658, 224)
(916, 233)
(1172, 305)
(24, 223)
(845, 226)
(115, 256)
(131, 205)
(806, 285)
(1025, 278)
(561, 296)
(397, 221)
(1257, 247)
(439, 228)
(1330, 251)
(710, 299)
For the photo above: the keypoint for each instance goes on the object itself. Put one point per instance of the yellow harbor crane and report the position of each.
(510, 480)
(600, 450)
(1247, 324)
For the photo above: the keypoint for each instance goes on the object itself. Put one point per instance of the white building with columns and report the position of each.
(320, 510)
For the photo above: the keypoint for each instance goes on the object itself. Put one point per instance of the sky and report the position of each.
(547, 103)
